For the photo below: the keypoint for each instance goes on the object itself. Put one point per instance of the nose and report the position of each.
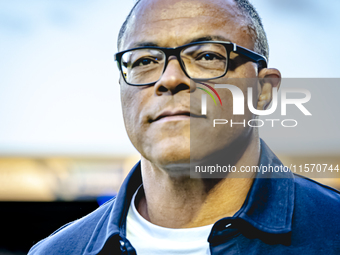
(173, 80)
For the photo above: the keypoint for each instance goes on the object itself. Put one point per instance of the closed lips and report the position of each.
(177, 115)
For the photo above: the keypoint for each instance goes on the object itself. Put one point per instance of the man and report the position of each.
(168, 49)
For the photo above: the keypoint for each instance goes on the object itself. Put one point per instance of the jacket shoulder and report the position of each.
(315, 192)
(317, 205)
(72, 238)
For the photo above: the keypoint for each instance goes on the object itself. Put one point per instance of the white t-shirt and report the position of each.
(150, 239)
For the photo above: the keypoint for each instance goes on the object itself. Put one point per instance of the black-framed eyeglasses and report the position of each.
(199, 61)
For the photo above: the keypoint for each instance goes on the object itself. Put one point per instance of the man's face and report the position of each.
(165, 141)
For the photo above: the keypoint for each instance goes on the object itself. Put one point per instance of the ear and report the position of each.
(269, 78)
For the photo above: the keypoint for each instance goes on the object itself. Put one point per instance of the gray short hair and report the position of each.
(255, 25)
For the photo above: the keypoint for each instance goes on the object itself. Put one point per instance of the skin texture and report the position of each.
(171, 198)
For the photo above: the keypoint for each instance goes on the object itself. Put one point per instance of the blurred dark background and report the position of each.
(25, 223)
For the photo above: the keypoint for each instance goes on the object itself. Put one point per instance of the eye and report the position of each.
(144, 62)
(209, 56)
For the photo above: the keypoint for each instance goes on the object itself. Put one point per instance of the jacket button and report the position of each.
(122, 247)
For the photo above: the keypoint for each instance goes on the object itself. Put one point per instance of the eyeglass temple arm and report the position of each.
(261, 60)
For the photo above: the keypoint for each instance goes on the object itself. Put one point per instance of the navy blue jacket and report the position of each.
(285, 214)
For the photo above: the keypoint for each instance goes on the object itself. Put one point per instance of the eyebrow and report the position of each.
(143, 44)
(200, 39)
(209, 38)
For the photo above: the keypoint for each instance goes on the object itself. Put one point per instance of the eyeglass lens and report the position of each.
(201, 61)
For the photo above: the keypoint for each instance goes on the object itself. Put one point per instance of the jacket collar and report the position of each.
(124, 197)
(111, 226)
(268, 206)
(270, 202)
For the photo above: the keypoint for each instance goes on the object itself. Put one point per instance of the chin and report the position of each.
(172, 155)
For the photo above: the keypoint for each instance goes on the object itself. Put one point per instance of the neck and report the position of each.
(184, 202)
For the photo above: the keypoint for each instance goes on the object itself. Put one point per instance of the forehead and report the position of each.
(172, 23)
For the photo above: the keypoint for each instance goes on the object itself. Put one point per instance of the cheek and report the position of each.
(131, 107)
(127, 100)
(135, 104)
(248, 70)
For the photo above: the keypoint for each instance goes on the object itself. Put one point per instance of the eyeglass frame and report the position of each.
(229, 46)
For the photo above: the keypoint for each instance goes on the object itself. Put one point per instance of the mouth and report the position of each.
(176, 116)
